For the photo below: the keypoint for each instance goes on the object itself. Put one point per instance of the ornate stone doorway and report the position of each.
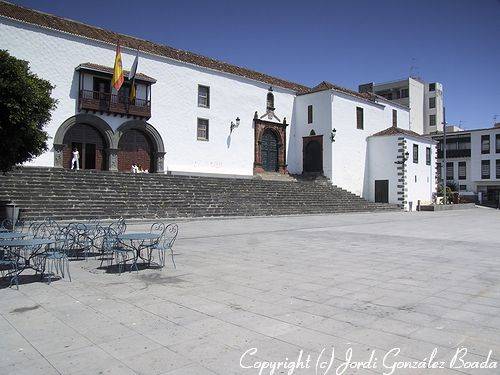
(270, 146)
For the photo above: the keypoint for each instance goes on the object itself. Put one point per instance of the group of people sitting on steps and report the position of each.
(138, 169)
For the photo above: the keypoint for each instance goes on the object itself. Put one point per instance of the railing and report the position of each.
(118, 104)
(454, 153)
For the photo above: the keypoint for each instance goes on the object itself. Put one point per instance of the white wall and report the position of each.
(54, 56)
(417, 105)
(420, 177)
(322, 125)
(349, 150)
(382, 152)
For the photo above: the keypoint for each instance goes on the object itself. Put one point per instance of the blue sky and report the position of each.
(455, 42)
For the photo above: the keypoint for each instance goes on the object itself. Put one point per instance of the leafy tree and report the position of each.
(25, 106)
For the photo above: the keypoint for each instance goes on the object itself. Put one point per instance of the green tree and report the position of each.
(25, 106)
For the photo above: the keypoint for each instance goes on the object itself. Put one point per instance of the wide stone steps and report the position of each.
(64, 195)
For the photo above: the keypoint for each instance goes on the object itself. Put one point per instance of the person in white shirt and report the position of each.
(135, 168)
(75, 162)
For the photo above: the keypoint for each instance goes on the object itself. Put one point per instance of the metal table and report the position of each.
(11, 235)
(25, 250)
(137, 242)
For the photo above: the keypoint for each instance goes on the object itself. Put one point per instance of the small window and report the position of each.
(497, 143)
(405, 93)
(485, 169)
(415, 153)
(415, 178)
(428, 155)
(270, 101)
(462, 187)
(432, 87)
(359, 118)
(485, 144)
(432, 102)
(498, 169)
(449, 171)
(432, 120)
(203, 96)
(202, 129)
(462, 170)
(309, 114)
(394, 118)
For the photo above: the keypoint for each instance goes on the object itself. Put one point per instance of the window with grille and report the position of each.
(449, 171)
(203, 96)
(485, 144)
(432, 120)
(462, 173)
(428, 155)
(485, 169)
(394, 118)
(202, 129)
(360, 118)
(415, 153)
(432, 102)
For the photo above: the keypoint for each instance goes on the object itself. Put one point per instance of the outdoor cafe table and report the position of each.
(11, 235)
(139, 241)
(4, 230)
(34, 244)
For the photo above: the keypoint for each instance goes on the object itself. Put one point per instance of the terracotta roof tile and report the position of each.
(393, 130)
(109, 70)
(77, 28)
(330, 86)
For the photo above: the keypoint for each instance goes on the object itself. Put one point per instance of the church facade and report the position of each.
(196, 115)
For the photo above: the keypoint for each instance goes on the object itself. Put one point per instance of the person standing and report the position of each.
(75, 161)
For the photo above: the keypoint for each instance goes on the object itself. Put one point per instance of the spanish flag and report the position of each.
(117, 79)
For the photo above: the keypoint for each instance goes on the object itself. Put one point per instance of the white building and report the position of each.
(473, 162)
(197, 115)
(425, 101)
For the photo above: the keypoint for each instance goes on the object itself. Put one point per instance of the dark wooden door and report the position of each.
(90, 156)
(313, 156)
(269, 151)
(382, 191)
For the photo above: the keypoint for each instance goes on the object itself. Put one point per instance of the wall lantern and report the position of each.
(235, 125)
(333, 134)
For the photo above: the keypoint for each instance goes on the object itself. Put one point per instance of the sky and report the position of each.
(455, 42)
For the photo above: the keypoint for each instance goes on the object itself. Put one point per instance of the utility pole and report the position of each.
(444, 156)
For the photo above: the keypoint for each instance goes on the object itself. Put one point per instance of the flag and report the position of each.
(117, 79)
(131, 77)
(133, 70)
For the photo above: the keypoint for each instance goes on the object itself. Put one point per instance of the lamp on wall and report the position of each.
(235, 125)
(333, 133)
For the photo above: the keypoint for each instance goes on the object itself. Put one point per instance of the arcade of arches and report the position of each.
(101, 148)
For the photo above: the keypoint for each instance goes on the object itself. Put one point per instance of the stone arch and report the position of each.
(95, 122)
(279, 131)
(158, 148)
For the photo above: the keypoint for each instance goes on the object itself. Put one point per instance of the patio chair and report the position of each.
(113, 247)
(165, 244)
(56, 259)
(9, 266)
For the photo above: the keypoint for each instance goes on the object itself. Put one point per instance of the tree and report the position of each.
(25, 106)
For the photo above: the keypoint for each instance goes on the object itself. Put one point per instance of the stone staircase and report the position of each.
(65, 195)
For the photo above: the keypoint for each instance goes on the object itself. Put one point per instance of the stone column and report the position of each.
(112, 158)
(58, 156)
(160, 162)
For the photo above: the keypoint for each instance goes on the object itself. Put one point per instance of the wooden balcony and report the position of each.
(96, 101)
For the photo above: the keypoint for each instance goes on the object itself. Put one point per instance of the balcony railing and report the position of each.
(454, 153)
(97, 101)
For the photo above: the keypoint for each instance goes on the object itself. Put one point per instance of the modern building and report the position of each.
(196, 115)
(472, 162)
(425, 101)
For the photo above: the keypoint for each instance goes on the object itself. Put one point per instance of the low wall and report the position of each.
(446, 207)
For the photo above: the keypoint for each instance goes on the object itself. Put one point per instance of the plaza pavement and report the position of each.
(416, 281)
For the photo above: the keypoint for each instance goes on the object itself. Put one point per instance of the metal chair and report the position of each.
(165, 244)
(112, 246)
(56, 259)
(9, 264)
